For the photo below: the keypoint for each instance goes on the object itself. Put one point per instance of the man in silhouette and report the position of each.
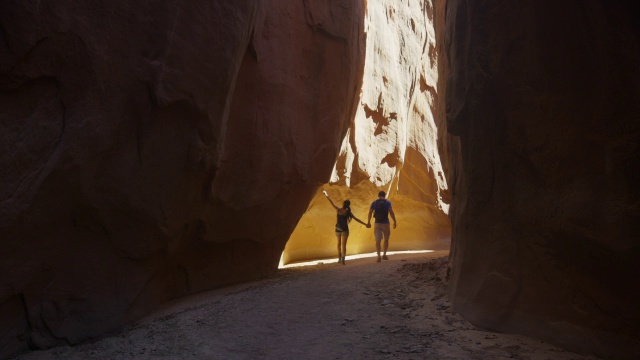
(381, 209)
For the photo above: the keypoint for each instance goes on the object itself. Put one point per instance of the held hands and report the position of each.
(368, 225)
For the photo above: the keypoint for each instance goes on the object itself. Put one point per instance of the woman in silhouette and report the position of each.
(342, 226)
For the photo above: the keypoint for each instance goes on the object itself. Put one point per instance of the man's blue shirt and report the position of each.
(387, 205)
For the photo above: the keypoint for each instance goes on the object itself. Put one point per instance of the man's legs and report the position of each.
(377, 232)
(387, 232)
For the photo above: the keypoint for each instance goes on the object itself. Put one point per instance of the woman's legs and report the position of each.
(344, 246)
(338, 236)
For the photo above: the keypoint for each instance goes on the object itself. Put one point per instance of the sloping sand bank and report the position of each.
(396, 309)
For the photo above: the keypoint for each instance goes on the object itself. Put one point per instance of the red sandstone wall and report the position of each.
(544, 99)
(155, 149)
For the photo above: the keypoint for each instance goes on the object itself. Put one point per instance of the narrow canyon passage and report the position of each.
(393, 310)
(153, 151)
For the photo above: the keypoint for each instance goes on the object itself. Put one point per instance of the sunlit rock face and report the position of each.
(392, 143)
(544, 98)
(155, 149)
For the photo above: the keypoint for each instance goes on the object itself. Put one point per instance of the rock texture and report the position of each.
(155, 149)
(391, 144)
(544, 98)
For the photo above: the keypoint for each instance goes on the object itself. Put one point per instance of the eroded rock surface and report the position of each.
(391, 144)
(155, 149)
(545, 99)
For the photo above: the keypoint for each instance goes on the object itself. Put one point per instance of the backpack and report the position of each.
(381, 210)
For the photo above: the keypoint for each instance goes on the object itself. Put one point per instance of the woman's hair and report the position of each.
(347, 205)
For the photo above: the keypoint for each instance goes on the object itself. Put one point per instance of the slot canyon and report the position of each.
(155, 150)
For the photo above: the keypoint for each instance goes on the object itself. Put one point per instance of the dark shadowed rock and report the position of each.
(155, 149)
(545, 100)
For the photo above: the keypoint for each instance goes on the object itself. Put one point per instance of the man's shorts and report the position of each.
(382, 229)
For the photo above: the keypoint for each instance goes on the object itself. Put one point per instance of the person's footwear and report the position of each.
(379, 259)
(343, 262)
(384, 257)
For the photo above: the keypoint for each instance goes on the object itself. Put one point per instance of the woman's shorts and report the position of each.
(382, 230)
(340, 233)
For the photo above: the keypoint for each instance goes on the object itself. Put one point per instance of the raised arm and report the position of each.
(328, 198)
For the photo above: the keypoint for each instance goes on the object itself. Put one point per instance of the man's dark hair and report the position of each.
(382, 194)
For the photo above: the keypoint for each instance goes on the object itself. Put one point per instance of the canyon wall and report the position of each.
(544, 101)
(155, 149)
(391, 144)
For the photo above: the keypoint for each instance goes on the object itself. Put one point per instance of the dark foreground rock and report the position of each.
(150, 150)
(544, 99)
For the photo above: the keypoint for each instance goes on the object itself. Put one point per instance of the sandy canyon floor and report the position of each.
(396, 309)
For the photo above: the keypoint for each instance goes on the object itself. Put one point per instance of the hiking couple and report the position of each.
(380, 208)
